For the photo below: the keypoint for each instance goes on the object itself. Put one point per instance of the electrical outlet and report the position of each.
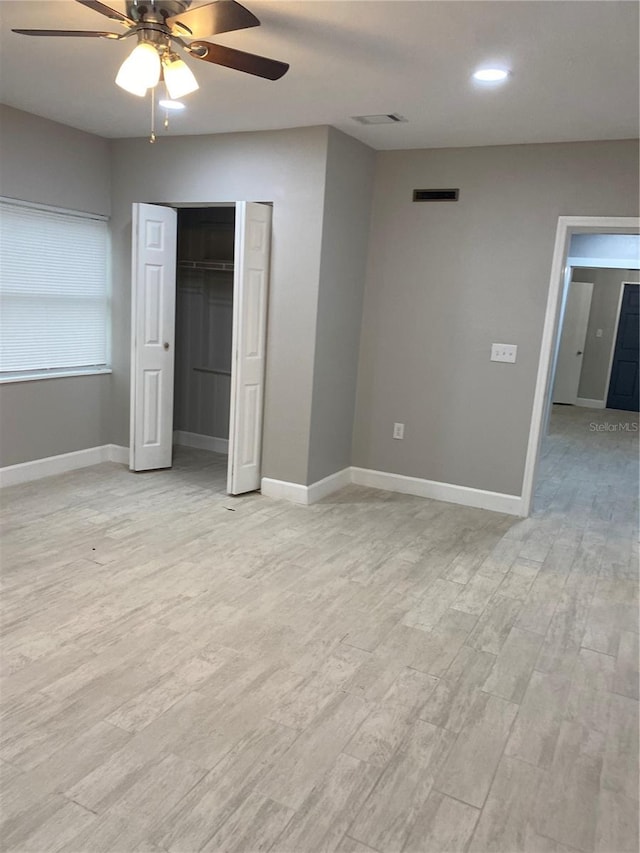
(504, 352)
(598, 333)
(398, 430)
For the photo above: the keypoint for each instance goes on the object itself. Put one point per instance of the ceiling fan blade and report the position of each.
(223, 16)
(259, 66)
(73, 33)
(107, 11)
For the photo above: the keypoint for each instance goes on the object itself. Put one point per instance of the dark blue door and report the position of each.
(625, 371)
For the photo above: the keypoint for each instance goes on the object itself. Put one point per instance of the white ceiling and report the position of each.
(575, 71)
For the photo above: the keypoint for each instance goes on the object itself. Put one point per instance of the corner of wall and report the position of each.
(345, 233)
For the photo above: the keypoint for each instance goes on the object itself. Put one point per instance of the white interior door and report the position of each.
(153, 298)
(572, 342)
(250, 289)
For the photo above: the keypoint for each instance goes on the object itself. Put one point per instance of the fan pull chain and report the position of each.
(152, 137)
(167, 97)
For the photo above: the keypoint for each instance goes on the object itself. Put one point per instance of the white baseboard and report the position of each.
(590, 404)
(202, 442)
(328, 485)
(117, 453)
(25, 472)
(282, 490)
(465, 495)
(306, 495)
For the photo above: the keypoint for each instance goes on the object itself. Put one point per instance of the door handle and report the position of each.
(166, 345)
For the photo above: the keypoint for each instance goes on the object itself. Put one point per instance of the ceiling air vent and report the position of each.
(436, 195)
(386, 118)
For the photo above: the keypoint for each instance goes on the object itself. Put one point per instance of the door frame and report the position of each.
(559, 280)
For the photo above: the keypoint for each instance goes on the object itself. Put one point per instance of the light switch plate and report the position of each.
(504, 352)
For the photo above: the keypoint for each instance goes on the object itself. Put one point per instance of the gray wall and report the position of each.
(442, 282)
(52, 164)
(49, 416)
(446, 280)
(603, 315)
(285, 167)
(49, 163)
(345, 232)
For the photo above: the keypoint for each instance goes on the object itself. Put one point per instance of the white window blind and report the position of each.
(53, 290)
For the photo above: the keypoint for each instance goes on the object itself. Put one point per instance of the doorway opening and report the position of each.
(204, 328)
(598, 357)
(220, 272)
(578, 346)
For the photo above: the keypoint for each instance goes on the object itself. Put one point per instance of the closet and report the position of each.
(198, 334)
(204, 327)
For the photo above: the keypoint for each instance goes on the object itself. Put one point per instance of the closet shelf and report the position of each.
(217, 266)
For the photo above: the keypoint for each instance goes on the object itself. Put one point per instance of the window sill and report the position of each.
(62, 373)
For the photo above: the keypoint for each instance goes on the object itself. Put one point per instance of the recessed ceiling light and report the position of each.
(167, 104)
(490, 75)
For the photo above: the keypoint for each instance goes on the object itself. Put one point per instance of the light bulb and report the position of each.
(140, 70)
(491, 75)
(178, 78)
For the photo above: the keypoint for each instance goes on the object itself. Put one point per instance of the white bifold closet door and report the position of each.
(153, 316)
(250, 292)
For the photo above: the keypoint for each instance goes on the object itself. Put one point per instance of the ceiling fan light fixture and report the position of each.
(178, 77)
(155, 24)
(140, 70)
(130, 84)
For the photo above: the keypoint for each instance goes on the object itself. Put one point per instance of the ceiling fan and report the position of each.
(158, 26)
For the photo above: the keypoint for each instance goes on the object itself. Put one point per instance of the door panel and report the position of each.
(151, 406)
(152, 330)
(251, 280)
(572, 342)
(152, 304)
(625, 371)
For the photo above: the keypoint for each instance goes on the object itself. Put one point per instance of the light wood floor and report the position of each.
(186, 671)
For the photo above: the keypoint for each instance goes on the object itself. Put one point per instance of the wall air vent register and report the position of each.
(436, 195)
(384, 118)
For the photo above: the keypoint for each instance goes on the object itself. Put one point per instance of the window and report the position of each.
(53, 292)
